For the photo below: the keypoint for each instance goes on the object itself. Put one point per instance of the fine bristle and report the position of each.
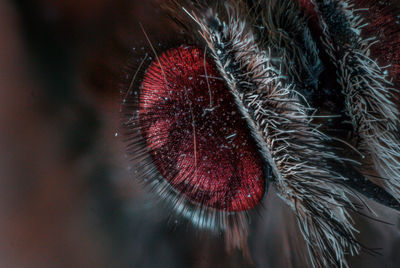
(281, 104)
(369, 91)
(287, 140)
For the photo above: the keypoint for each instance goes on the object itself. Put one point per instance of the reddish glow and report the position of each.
(200, 143)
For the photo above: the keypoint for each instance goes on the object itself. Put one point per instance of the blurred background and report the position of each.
(67, 197)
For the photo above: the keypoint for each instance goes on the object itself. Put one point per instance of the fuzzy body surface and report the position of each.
(302, 95)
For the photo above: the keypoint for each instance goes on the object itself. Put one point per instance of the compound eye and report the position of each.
(196, 136)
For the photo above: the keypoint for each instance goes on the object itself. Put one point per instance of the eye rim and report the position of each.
(227, 178)
(234, 225)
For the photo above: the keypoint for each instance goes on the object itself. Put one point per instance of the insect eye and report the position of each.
(276, 95)
(195, 135)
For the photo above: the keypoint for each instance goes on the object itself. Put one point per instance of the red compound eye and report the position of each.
(198, 140)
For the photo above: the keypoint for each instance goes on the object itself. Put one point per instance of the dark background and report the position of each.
(67, 198)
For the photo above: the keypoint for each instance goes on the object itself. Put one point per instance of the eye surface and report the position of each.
(197, 138)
